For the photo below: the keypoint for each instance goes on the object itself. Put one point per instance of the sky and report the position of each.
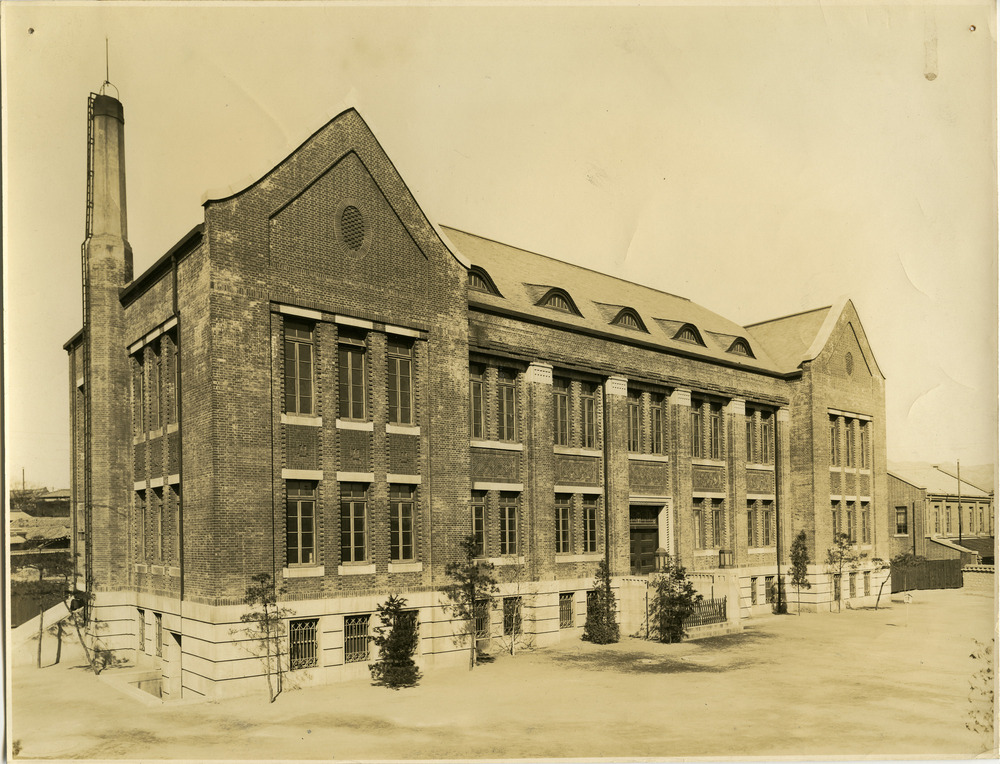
(759, 159)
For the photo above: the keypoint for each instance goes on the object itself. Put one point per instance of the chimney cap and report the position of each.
(106, 106)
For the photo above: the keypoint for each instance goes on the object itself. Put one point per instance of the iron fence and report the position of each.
(707, 612)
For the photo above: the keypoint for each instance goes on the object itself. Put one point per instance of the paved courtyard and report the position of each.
(887, 683)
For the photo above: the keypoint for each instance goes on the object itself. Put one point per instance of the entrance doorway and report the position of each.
(644, 539)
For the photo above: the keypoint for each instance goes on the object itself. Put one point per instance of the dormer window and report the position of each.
(630, 320)
(557, 299)
(688, 333)
(741, 347)
(480, 281)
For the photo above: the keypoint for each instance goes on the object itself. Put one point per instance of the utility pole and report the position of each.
(958, 465)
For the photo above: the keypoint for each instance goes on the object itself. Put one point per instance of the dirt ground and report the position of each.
(886, 683)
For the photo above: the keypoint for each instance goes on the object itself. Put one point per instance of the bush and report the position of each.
(396, 639)
(601, 627)
(673, 602)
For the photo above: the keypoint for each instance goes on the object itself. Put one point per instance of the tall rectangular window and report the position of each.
(751, 455)
(401, 522)
(867, 578)
(835, 520)
(298, 367)
(560, 411)
(399, 358)
(753, 590)
(834, 442)
(751, 525)
(356, 641)
(634, 420)
(140, 524)
(176, 496)
(851, 526)
(477, 425)
(303, 649)
(589, 523)
(563, 522)
(849, 444)
(865, 456)
(352, 387)
(715, 431)
(901, 521)
(718, 523)
(770, 590)
(947, 518)
(508, 523)
(767, 438)
(507, 400)
(511, 616)
(866, 526)
(767, 513)
(300, 519)
(175, 372)
(481, 611)
(699, 524)
(566, 610)
(479, 522)
(588, 400)
(658, 443)
(155, 387)
(158, 499)
(139, 393)
(353, 511)
(697, 425)
(937, 520)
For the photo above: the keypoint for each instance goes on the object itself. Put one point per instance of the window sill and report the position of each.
(156, 570)
(507, 560)
(157, 433)
(402, 429)
(299, 419)
(714, 552)
(406, 567)
(761, 550)
(701, 461)
(502, 445)
(586, 557)
(174, 572)
(140, 567)
(355, 570)
(901, 535)
(761, 467)
(649, 458)
(172, 427)
(304, 571)
(570, 451)
(351, 424)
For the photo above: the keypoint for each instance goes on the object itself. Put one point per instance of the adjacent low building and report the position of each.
(320, 384)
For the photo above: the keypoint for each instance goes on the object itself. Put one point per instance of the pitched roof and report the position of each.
(521, 276)
(788, 340)
(984, 547)
(935, 481)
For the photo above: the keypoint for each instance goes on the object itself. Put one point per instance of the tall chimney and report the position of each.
(107, 267)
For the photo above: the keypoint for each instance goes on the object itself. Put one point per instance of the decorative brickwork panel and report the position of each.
(577, 470)
(302, 447)
(404, 454)
(496, 466)
(835, 483)
(173, 453)
(708, 479)
(850, 483)
(140, 461)
(864, 489)
(355, 451)
(648, 477)
(759, 481)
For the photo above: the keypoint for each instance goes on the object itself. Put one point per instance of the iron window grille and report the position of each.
(299, 363)
(837, 585)
(400, 371)
(852, 585)
(300, 516)
(566, 610)
(866, 578)
(142, 631)
(158, 634)
(401, 522)
(353, 512)
(770, 590)
(356, 638)
(753, 590)
(481, 613)
(591, 601)
(303, 649)
(512, 625)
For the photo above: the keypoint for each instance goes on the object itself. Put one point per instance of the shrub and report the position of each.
(396, 639)
(674, 599)
(601, 627)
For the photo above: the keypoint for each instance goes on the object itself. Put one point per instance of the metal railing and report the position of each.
(707, 612)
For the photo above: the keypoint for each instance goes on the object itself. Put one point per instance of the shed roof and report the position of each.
(936, 482)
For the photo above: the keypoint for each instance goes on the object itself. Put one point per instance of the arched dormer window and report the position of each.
(557, 299)
(688, 333)
(630, 320)
(741, 347)
(480, 281)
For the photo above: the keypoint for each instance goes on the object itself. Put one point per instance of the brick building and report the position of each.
(321, 384)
